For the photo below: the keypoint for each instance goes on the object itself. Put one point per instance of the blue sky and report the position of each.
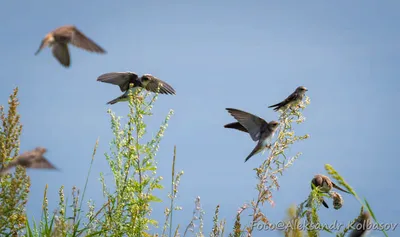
(245, 55)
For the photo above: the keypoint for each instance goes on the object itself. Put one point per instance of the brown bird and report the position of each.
(258, 129)
(240, 127)
(292, 100)
(59, 39)
(31, 159)
(325, 185)
(337, 200)
(237, 126)
(361, 226)
(146, 81)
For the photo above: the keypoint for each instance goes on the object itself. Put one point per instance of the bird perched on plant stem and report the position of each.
(362, 225)
(292, 100)
(325, 185)
(258, 128)
(31, 159)
(146, 81)
(59, 39)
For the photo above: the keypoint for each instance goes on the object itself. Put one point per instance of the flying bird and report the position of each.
(258, 128)
(292, 100)
(325, 185)
(146, 81)
(31, 159)
(59, 39)
(237, 126)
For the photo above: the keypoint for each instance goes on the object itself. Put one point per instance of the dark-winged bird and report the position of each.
(292, 100)
(146, 81)
(325, 185)
(59, 39)
(362, 226)
(258, 128)
(237, 126)
(31, 159)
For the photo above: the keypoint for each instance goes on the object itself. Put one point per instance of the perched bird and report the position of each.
(292, 100)
(31, 159)
(337, 200)
(362, 225)
(146, 81)
(258, 128)
(59, 39)
(325, 185)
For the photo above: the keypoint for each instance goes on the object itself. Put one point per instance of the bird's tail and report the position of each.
(324, 203)
(339, 188)
(43, 44)
(116, 100)
(277, 106)
(256, 149)
(236, 125)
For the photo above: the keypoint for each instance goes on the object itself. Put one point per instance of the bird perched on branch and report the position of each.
(325, 185)
(292, 100)
(59, 39)
(146, 81)
(362, 226)
(258, 128)
(31, 159)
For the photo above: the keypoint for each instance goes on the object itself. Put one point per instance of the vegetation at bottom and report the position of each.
(129, 195)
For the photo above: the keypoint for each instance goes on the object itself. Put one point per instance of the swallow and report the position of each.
(337, 200)
(292, 100)
(59, 39)
(325, 185)
(258, 128)
(146, 81)
(238, 126)
(31, 159)
(360, 227)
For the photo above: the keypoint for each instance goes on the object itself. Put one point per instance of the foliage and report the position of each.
(14, 187)
(128, 196)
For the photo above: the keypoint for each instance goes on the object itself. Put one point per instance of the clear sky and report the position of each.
(216, 54)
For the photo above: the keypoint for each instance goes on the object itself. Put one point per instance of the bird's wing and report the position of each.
(251, 122)
(154, 84)
(236, 125)
(80, 40)
(5, 170)
(61, 53)
(337, 187)
(289, 99)
(41, 163)
(122, 79)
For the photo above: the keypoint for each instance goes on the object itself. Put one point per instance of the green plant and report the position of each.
(14, 187)
(275, 164)
(129, 195)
